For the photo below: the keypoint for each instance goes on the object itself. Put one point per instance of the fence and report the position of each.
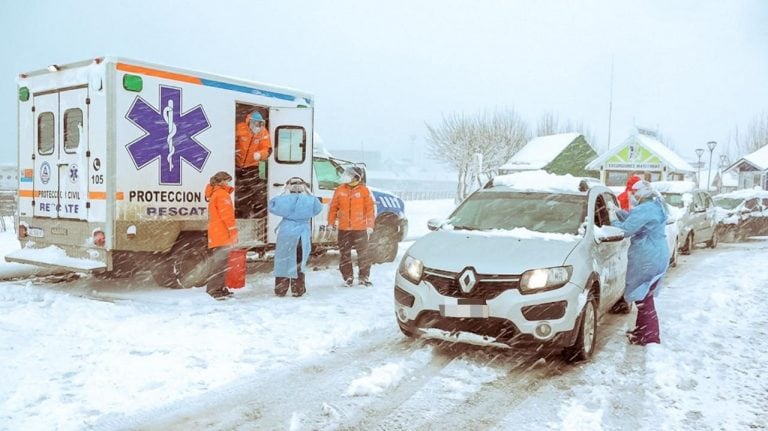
(7, 210)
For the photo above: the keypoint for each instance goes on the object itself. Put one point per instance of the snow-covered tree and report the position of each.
(474, 145)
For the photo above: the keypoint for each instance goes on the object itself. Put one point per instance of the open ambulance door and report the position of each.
(291, 132)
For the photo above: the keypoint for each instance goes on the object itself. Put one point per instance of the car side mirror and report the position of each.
(435, 224)
(608, 234)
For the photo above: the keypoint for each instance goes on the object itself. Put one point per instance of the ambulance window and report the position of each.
(45, 133)
(73, 122)
(291, 146)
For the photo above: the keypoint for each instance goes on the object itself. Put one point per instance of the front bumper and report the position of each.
(511, 316)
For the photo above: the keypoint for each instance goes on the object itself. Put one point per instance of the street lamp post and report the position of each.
(699, 153)
(723, 165)
(711, 145)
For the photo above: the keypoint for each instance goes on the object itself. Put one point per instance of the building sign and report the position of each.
(634, 156)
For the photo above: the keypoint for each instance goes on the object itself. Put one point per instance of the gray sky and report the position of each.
(380, 69)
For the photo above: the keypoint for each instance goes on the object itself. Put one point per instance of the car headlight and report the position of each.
(540, 280)
(411, 269)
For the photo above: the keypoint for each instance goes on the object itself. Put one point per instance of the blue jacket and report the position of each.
(648, 255)
(297, 211)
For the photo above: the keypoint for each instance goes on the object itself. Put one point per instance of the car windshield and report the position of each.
(674, 199)
(540, 212)
(727, 203)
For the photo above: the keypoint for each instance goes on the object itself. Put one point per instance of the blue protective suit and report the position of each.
(296, 209)
(648, 255)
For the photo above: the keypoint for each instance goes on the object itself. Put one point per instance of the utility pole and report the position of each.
(610, 105)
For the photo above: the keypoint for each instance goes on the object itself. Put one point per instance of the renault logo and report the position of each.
(467, 280)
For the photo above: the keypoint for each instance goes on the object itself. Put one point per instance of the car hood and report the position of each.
(491, 252)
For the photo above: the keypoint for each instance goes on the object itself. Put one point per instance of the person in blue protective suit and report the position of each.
(297, 207)
(648, 259)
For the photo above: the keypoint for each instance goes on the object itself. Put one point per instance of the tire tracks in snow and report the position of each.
(311, 393)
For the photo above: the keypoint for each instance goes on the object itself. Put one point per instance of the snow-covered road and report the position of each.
(86, 353)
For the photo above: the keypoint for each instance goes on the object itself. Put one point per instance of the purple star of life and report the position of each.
(168, 142)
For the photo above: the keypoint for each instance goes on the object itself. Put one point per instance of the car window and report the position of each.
(765, 203)
(602, 218)
(751, 204)
(328, 174)
(727, 203)
(540, 212)
(698, 202)
(674, 199)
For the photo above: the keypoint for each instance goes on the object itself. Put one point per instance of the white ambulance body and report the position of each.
(114, 156)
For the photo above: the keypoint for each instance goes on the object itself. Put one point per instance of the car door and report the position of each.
(610, 257)
(709, 220)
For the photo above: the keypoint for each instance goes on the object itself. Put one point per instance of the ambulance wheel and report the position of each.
(384, 243)
(185, 266)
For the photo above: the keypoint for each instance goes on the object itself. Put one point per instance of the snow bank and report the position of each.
(539, 181)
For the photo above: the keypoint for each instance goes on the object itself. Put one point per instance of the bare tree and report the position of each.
(463, 141)
(756, 136)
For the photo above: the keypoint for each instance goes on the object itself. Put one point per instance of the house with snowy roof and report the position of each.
(565, 153)
(642, 154)
(752, 169)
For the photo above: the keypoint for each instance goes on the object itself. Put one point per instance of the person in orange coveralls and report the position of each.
(222, 232)
(352, 208)
(252, 146)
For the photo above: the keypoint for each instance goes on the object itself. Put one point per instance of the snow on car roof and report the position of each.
(540, 181)
(744, 194)
(674, 186)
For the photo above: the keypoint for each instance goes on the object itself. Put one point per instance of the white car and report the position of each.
(531, 257)
(694, 211)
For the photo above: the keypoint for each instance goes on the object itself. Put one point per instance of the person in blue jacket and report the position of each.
(648, 259)
(296, 206)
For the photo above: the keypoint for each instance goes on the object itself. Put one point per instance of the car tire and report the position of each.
(673, 259)
(712, 243)
(687, 245)
(384, 242)
(621, 307)
(406, 329)
(185, 266)
(586, 338)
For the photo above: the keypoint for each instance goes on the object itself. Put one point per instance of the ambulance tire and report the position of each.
(384, 242)
(185, 266)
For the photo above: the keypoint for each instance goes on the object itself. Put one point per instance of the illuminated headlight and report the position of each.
(539, 280)
(412, 269)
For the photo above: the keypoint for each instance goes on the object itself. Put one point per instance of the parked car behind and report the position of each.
(530, 257)
(741, 214)
(694, 211)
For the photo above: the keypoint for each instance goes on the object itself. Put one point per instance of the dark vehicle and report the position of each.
(741, 214)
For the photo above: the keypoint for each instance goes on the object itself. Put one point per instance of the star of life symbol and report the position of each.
(73, 175)
(467, 280)
(169, 135)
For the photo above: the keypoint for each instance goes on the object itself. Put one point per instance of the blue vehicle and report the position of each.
(391, 224)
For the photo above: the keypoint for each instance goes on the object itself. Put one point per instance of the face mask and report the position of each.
(346, 178)
(255, 128)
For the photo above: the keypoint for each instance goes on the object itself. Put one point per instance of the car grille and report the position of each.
(487, 286)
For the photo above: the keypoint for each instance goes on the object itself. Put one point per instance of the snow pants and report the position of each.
(647, 323)
(250, 194)
(297, 286)
(359, 240)
(218, 261)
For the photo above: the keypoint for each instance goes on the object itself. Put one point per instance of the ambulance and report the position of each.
(114, 155)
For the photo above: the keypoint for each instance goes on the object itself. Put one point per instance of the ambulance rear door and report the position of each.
(291, 132)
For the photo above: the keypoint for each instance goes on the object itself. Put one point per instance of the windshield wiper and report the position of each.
(464, 227)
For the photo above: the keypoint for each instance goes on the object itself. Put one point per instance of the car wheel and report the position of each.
(406, 329)
(185, 266)
(688, 245)
(584, 346)
(621, 307)
(673, 259)
(384, 243)
(712, 243)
